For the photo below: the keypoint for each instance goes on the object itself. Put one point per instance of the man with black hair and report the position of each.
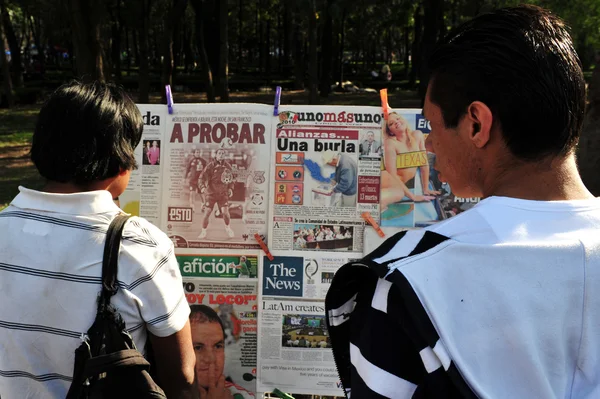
(501, 300)
(208, 335)
(51, 250)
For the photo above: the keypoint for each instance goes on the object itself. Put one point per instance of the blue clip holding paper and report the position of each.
(277, 100)
(169, 98)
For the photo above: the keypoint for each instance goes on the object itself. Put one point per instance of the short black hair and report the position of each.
(520, 62)
(205, 314)
(86, 132)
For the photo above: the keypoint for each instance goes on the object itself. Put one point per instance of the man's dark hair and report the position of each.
(86, 132)
(205, 314)
(521, 63)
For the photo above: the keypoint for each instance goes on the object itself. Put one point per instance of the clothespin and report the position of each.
(384, 103)
(369, 219)
(282, 395)
(169, 98)
(277, 100)
(263, 246)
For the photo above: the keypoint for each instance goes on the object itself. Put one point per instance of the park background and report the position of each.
(318, 51)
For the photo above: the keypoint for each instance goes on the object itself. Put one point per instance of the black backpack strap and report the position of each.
(115, 361)
(110, 265)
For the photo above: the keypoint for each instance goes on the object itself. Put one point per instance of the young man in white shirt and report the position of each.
(51, 249)
(501, 301)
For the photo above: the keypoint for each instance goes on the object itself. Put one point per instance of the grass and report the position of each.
(16, 129)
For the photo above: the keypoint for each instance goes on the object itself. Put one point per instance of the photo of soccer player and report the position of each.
(195, 165)
(217, 186)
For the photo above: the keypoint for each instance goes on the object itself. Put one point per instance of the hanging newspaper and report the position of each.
(294, 349)
(215, 180)
(325, 173)
(143, 194)
(411, 193)
(221, 288)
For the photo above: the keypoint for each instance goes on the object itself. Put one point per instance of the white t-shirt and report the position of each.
(514, 295)
(51, 248)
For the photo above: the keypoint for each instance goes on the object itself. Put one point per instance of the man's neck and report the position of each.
(71, 188)
(555, 179)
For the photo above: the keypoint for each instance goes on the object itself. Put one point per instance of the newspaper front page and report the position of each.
(226, 282)
(216, 175)
(325, 172)
(144, 193)
(294, 349)
(412, 195)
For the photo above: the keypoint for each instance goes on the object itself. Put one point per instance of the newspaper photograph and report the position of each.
(294, 348)
(221, 289)
(326, 163)
(411, 193)
(143, 194)
(215, 175)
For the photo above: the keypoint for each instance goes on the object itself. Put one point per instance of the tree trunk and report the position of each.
(340, 71)
(204, 64)
(16, 64)
(287, 35)
(313, 67)
(85, 24)
(224, 46)
(406, 52)
(173, 18)
(299, 65)
(38, 44)
(210, 14)
(240, 28)
(279, 44)
(177, 44)
(589, 143)
(433, 9)
(128, 49)
(117, 30)
(144, 53)
(267, 51)
(326, 51)
(261, 42)
(187, 49)
(7, 80)
(416, 47)
(135, 44)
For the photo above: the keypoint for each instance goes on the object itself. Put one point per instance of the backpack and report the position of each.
(107, 363)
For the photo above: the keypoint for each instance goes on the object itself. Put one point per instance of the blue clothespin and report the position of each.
(169, 98)
(277, 100)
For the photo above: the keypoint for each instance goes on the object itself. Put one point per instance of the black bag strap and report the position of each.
(110, 266)
(113, 361)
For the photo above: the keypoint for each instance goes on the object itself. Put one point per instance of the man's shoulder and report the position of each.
(457, 224)
(140, 231)
(406, 244)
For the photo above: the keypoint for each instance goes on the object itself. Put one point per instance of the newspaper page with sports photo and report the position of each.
(143, 194)
(216, 175)
(294, 349)
(412, 195)
(226, 282)
(325, 173)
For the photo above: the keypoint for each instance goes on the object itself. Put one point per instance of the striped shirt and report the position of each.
(500, 301)
(51, 248)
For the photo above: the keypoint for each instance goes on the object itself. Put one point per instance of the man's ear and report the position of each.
(479, 120)
(123, 172)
